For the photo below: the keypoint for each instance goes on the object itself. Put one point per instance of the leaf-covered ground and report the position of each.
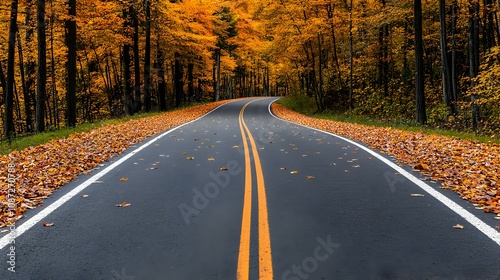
(471, 169)
(40, 170)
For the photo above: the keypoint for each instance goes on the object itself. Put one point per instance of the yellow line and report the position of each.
(244, 252)
(265, 257)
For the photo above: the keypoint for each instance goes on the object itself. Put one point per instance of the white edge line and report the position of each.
(469, 217)
(4, 241)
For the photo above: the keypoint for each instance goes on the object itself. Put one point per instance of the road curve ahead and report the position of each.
(240, 194)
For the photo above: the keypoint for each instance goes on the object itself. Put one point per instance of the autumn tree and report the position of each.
(419, 64)
(42, 68)
(9, 128)
(71, 64)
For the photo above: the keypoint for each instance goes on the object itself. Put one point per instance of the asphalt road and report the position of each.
(240, 194)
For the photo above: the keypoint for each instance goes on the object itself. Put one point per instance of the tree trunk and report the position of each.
(217, 75)
(474, 56)
(454, 84)
(351, 58)
(419, 64)
(71, 65)
(29, 69)
(179, 84)
(445, 64)
(3, 84)
(128, 101)
(9, 128)
(42, 68)
(53, 88)
(137, 66)
(190, 81)
(147, 59)
(161, 77)
(488, 26)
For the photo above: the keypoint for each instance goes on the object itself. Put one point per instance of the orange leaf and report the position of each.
(123, 204)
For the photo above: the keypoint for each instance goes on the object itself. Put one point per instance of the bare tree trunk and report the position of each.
(42, 68)
(419, 63)
(445, 64)
(190, 81)
(147, 59)
(9, 128)
(55, 97)
(217, 75)
(27, 69)
(454, 84)
(71, 65)
(474, 56)
(161, 77)
(351, 58)
(128, 102)
(137, 65)
(179, 84)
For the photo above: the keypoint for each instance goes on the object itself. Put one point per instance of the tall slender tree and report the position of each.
(474, 55)
(445, 63)
(42, 68)
(9, 128)
(128, 101)
(419, 63)
(71, 65)
(137, 60)
(147, 59)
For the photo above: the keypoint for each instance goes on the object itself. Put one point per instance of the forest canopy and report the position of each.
(64, 62)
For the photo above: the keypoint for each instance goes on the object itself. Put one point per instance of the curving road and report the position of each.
(240, 194)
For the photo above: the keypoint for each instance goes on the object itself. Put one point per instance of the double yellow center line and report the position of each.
(265, 258)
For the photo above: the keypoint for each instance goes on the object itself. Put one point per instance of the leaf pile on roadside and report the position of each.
(470, 168)
(41, 169)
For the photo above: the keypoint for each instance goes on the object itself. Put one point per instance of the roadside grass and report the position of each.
(306, 106)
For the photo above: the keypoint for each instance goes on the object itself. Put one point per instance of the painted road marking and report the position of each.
(243, 270)
(7, 239)
(265, 256)
(489, 231)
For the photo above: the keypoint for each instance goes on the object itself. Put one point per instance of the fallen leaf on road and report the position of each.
(184, 153)
(85, 195)
(123, 204)
(47, 224)
(211, 159)
(309, 177)
(416, 195)
(356, 166)
(294, 172)
(190, 158)
(458, 226)
(223, 168)
(497, 228)
(283, 168)
(235, 147)
(5, 230)
(123, 179)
